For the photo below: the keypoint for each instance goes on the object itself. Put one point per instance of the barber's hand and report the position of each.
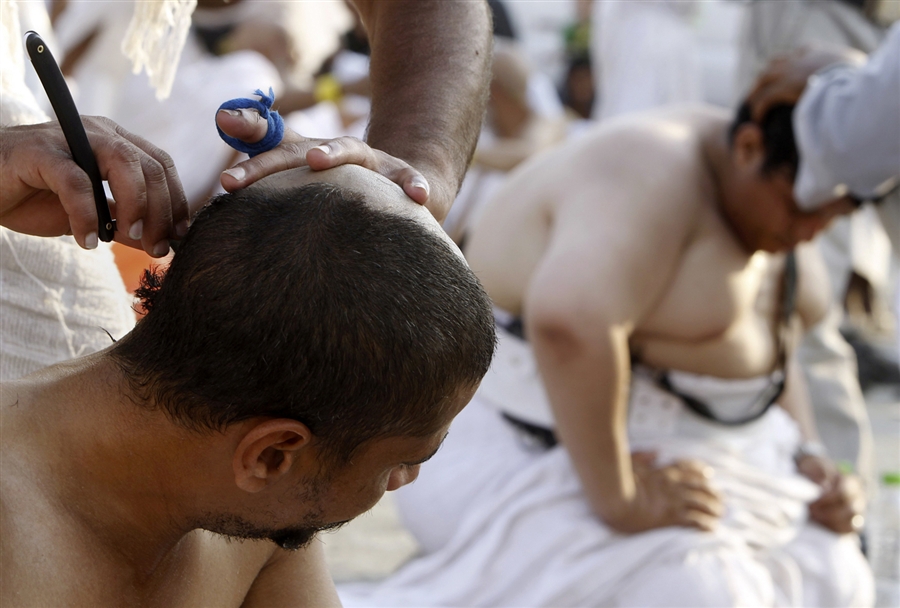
(678, 494)
(44, 193)
(841, 506)
(298, 151)
(784, 79)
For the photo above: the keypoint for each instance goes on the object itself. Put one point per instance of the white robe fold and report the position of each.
(504, 524)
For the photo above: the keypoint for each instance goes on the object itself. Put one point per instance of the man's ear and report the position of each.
(266, 453)
(748, 148)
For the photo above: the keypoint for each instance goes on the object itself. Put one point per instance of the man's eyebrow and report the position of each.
(430, 456)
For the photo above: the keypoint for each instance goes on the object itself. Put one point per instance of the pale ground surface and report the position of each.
(371, 546)
(376, 544)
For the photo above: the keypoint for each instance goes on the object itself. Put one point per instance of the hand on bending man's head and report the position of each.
(758, 196)
(785, 78)
(296, 151)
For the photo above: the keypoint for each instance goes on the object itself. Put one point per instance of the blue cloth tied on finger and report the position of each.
(275, 132)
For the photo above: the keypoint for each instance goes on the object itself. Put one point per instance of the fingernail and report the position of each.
(231, 112)
(161, 249)
(418, 182)
(250, 115)
(181, 228)
(91, 240)
(325, 148)
(237, 173)
(136, 230)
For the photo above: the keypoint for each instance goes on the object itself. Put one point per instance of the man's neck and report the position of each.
(114, 467)
(716, 152)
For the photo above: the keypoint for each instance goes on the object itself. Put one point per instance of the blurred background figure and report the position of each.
(231, 50)
(517, 125)
(644, 55)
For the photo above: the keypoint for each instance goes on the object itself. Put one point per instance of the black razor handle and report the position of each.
(72, 127)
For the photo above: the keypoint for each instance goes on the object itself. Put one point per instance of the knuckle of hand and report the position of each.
(123, 150)
(155, 173)
(167, 163)
(291, 151)
(106, 124)
(77, 184)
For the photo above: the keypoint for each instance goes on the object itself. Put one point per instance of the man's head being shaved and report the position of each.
(342, 307)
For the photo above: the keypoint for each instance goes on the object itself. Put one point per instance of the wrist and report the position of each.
(810, 448)
(615, 507)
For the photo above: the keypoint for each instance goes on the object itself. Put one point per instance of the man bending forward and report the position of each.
(646, 310)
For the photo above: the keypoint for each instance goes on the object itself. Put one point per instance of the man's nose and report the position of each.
(402, 476)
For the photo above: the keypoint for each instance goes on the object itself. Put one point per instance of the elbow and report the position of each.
(567, 335)
(557, 336)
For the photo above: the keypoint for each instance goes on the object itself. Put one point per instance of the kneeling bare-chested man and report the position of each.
(304, 353)
(646, 306)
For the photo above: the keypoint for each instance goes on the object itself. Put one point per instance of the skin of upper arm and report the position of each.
(608, 261)
(294, 579)
(813, 286)
(610, 257)
(796, 400)
(813, 302)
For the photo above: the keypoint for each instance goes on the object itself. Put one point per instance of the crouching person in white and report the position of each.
(651, 286)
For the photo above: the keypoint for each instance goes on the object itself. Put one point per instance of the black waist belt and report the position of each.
(537, 436)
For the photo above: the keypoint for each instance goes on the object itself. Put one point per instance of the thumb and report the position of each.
(245, 124)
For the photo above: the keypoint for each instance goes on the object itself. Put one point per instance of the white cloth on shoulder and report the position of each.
(57, 302)
(504, 524)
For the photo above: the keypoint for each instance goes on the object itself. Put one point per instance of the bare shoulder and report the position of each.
(653, 162)
(631, 199)
(813, 285)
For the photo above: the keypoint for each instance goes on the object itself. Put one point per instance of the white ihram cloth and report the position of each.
(502, 524)
(56, 299)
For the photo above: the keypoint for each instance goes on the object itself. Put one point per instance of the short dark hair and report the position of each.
(309, 304)
(778, 137)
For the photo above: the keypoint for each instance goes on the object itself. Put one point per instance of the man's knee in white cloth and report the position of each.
(700, 579)
(835, 572)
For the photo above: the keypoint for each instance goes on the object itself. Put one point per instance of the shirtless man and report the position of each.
(645, 258)
(304, 353)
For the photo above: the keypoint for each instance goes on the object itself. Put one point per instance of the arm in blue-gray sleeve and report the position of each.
(847, 126)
